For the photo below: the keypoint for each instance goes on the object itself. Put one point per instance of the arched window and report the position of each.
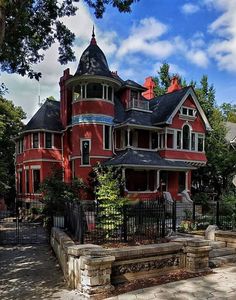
(186, 137)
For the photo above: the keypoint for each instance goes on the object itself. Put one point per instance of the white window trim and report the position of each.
(194, 110)
(32, 140)
(81, 143)
(35, 167)
(110, 137)
(45, 140)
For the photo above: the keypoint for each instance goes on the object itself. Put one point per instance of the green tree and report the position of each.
(229, 112)
(57, 193)
(162, 80)
(29, 26)
(206, 95)
(11, 117)
(109, 195)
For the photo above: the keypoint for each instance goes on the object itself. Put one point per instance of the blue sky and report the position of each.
(195, 37)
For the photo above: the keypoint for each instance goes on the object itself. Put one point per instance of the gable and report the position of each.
(167, 106)
(188, 113)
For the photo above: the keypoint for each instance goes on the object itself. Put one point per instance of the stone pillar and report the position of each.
(197, 255)
(95, 271)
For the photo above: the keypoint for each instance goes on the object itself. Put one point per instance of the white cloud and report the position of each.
(223, 48)
(189, 8)
(144, 38)
(194, 50)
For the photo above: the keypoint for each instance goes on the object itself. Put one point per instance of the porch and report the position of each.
(148, 183)
(147, 175)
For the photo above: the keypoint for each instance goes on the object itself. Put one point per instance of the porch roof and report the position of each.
(146, 159)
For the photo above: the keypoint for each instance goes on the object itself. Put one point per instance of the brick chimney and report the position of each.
(150, 85)
(174, 85)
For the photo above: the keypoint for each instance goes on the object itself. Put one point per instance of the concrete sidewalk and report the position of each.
(220, 285)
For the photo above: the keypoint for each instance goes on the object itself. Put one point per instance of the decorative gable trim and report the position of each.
(190, 92)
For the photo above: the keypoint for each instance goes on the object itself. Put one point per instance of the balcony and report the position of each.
(137, 104)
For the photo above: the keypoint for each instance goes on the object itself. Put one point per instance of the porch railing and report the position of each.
(139, 104)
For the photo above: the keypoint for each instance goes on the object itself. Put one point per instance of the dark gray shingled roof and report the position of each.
(93, 62)
(161, 109)
(46, 118)
(134, 84)
(144, 158)
(163, 106)
(131, 116)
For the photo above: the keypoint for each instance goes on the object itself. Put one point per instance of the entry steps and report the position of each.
(219, 255)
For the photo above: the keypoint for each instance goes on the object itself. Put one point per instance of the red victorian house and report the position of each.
(157, 141)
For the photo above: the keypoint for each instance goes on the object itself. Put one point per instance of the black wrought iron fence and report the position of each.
(214, 213)
(90, 222)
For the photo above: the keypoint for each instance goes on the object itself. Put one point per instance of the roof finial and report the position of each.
(93, 34)
(93, 40)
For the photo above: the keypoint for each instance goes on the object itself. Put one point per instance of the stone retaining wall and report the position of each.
(92, 269)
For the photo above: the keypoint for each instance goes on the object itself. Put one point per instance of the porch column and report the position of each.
(102, 91)
(128, 137)
(165, 145)
(186, 180)
(158, 179)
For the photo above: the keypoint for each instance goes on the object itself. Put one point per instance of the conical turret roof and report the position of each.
(93, 61)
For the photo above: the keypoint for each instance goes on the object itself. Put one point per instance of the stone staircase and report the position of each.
(220, 254)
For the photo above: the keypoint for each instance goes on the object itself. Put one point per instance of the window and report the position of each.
(36, 180)
(20, 182)
(94, 90)
(27, 181)
(187, 111)
(186, 137)
(178, 141)
(110, 93)
(85, 151)
(170, 140)
(48, 140)
(107, 137)
(154, 140)
(79, 92)
(200, 143)
(193, 144)
(35, 140)
(20, 146)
